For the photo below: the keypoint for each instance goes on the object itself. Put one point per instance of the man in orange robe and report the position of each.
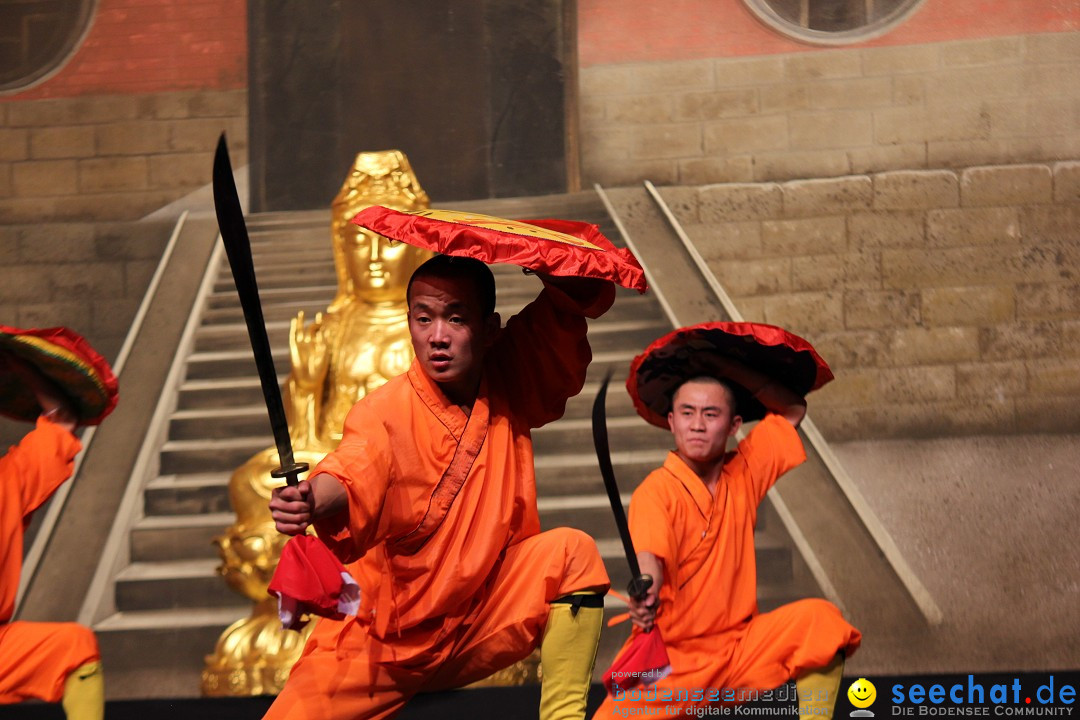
(431, 497)
(692, 522)
(53, 662)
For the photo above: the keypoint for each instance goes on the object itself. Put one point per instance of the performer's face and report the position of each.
(450, 332)
(702, 420)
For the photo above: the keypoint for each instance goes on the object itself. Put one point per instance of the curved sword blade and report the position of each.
(234, 235)
(639, 584)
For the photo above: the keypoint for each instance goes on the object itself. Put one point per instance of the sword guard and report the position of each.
(291, 473)
(638, 588)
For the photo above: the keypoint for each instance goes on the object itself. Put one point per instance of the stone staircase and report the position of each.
(171, 605)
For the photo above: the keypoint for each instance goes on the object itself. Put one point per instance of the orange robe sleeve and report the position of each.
(771, 449)
(362, 464)
(546, 347)
(651, 523)
(29, 473)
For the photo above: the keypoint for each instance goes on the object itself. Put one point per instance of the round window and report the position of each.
(833, 22)
(37, 37)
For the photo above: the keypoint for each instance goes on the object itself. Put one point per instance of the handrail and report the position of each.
(113, 552)
(59, 498)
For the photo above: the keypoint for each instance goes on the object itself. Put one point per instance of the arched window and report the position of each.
(37, 37)
(833, 22)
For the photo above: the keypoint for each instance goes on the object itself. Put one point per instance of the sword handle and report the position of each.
(291, 473)
(638, 588)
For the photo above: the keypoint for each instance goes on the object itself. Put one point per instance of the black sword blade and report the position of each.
(639, 584)
(234, 235)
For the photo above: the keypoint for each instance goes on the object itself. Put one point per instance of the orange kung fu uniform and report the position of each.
(35, 658)
(708, 612)
(442, 530)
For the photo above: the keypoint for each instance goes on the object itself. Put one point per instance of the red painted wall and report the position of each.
(622, 31)
(153, 46)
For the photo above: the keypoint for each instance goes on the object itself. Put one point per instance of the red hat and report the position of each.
(556, 247)
(65, 358)
(694, 351)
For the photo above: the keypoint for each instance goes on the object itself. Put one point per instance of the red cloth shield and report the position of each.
(65, 358)
(643, 662)
(693, 351)
(310, 580)
(556, 247)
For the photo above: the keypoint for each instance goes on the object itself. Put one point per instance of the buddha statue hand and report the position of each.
(309, 353)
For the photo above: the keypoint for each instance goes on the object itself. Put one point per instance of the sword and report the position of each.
(234, 234)
(639, 584)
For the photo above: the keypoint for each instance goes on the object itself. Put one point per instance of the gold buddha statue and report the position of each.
(356, 345)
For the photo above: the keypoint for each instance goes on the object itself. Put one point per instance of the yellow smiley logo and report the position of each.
(862, 693)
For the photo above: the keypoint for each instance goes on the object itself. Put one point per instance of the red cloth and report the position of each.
(643, 661)
(692, 351)
(310, 580)
(65, 358)
(557, 247)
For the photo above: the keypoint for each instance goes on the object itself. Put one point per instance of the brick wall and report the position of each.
(639, 31)
(946, 302)
(152, 46)
(112, 157)
(830, 113)
(130, 121)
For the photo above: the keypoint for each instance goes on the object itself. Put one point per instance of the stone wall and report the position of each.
(835, 112)
(90, 277)
(112, 157)
(946, 302)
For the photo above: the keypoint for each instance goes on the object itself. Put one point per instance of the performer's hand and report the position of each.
(643, 612)
(293, 508)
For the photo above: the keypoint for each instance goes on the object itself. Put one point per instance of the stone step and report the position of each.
(165, 585)
(618, 399)
(573, 468)
(276, 280)
(226, 422)
(178, 537)
(573, 440)
(579, 473)
(221, 393)
(308, 293)
(284, 263)
(188, 494)
(239, 362)
(160, 653)
(625, 308)
(208, 454)
(287, 271)
(198, 467)
(272, 310)
(575, 436)
(604, 335)
(211, 409)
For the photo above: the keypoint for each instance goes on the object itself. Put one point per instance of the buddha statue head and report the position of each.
(370, 267)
